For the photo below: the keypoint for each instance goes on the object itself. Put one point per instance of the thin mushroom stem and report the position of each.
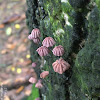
(42, 62)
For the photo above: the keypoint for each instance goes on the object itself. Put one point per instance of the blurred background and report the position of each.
(15, 64)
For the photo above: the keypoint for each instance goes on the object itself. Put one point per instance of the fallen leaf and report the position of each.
(21, 48)
(6, 82)
(2, 25)
(25, 40)
(21, 79)
(25, 63)
(11, 38)
(22, 17)
(6, 97)
(4, 51)
(28, 92)
(19, 89)
(11, 19)
(11, 46)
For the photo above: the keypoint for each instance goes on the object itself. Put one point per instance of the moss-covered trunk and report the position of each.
(75, 24)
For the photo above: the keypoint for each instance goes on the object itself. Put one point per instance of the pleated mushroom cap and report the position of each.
(39, 84)
(30, 37)
(34, 64)
(58, 50)
(36, 40)
(43, 51)
(60, 66)
(35, 33)
(37, 99)
(44, 74)
(32, 80)
(48, 42)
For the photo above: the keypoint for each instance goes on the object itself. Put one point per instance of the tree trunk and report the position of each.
(74, 24)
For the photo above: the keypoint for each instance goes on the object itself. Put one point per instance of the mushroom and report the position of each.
(43, 51)
(30, 37)
(48, 42)
(44, 74)
(58, 50)
(39, 84)
(35, 33)
(60, 66)
(32, 80)
(34, 64)
(37, 99)
(36, 40)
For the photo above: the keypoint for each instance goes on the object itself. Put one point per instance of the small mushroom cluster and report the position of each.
(59, 66)
(34, 80)
(35, 35)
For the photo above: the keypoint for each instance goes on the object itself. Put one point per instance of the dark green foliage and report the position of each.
(86, 72)
(79, 3)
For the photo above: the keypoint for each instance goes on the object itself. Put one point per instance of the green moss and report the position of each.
(34, 94)
(78, 3)
(86, 70)
(98, 3)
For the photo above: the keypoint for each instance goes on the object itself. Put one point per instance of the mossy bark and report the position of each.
(75, 24)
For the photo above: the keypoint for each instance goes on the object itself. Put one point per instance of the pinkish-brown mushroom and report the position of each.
(35, 33)
(48, 42)
(32, 80)
(60, 66)
(37, 99)
(43, 51)
(34, 64)
(44, 74)
(58, 50)
(30, 37)
(39, 84)
(36, 40)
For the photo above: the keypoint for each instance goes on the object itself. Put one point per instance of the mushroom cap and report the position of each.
(43, 51)
(48, 42)
(34, 64)
(37, 99)
(36, 40)
(30, 37)
(60, 66)
(40, 81)
(35, 33)
(32, 80)
(58, 50)
(44, 74)
(39, 84)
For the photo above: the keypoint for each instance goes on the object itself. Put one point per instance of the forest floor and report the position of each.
(15, 64)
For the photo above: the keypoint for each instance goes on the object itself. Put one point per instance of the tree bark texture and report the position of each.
(74, 24)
